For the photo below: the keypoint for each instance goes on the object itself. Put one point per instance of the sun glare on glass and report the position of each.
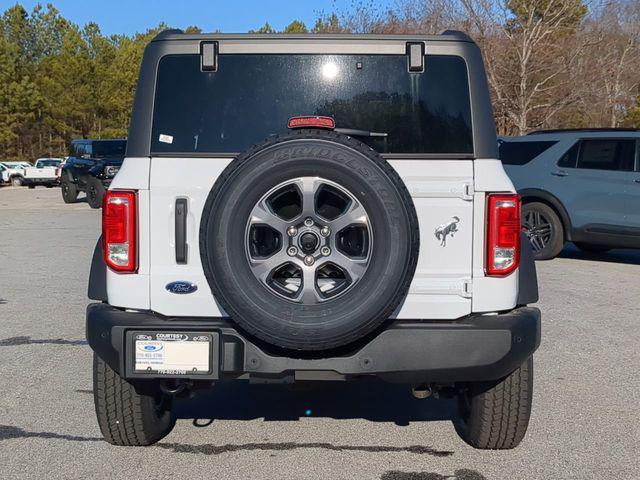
(330, 70)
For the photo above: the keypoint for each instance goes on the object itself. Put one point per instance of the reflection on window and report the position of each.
(330, 70)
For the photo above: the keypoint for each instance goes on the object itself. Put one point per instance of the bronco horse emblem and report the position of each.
(449, 228)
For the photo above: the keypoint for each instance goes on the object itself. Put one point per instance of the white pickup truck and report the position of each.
(43, 172)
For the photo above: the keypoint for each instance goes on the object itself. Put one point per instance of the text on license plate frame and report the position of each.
(172, 353)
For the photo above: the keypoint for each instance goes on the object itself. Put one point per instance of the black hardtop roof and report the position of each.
(582, 130)
(176, 34)
(92, 140)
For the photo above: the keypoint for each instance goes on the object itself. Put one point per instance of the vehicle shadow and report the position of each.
(462, 474)
(628, 256)
(27, 340)
(372, 400)
(10, 432)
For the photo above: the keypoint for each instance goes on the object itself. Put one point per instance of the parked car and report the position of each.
(12, 172)
(580, 185)
(312, 208)
(43, 172)
(90, 168)
(4, 174)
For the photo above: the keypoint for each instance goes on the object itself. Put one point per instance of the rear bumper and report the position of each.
(478, 347)
(39, 181)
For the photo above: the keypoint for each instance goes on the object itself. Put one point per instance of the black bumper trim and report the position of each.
(478, 347)
(39, 181)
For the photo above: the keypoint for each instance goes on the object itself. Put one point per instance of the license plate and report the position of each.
(172, 353)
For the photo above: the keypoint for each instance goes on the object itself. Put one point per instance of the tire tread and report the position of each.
(499, 413)
(126, 417)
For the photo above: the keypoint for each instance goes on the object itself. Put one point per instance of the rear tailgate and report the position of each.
(42, 173)
(442, 191)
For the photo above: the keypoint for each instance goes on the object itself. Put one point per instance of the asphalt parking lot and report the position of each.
(587, 389)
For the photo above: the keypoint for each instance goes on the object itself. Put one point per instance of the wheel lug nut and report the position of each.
(292, 231)
(309, 222)
(325, 231)
(326, 251)
(308, 260)
(292, 251)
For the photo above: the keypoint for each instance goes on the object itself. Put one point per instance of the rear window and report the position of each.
(113, 148)
(48, 163)
(251, 97)
(521, 153)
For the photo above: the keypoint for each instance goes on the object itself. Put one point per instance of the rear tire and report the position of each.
(544, 229)
(589, 248)
(69, 191)
(95, 193)
(125, 416)
(495, 415)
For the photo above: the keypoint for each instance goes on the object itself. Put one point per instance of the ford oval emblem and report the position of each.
(181, 288)
(150, 347)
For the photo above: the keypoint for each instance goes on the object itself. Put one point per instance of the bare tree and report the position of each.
(530, 48)
(550, 63)
(609, 68)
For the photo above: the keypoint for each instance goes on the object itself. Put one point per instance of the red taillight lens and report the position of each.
(312, 122)
(503, 234)
(119, 230)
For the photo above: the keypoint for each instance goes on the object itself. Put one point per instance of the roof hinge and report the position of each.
(209, 56)
(415, 56)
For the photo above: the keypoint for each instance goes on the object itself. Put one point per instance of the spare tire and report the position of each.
(309, 241)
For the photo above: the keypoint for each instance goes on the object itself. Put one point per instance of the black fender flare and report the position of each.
(554, 202)
(69, 174)
(98, 275)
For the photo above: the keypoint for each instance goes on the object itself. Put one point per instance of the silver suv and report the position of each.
(581, 186)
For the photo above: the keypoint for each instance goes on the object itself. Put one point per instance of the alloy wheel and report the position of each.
(538, 229)
(308, 240)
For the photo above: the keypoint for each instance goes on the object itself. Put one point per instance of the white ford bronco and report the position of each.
(312, 208)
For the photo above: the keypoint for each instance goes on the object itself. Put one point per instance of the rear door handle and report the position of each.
(181, 231)
(560, 173)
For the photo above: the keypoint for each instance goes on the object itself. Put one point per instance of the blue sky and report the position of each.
(130, 16)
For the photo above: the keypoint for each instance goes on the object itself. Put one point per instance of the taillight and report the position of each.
(119, 230)
(312, 122)
(503, 234)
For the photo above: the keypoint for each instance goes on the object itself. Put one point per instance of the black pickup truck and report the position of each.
(91, 166)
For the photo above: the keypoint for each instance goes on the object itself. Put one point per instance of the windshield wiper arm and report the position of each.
(360, 133)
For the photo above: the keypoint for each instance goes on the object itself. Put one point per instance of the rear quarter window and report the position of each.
(251, 97)
(607, 154)
(521, 153)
